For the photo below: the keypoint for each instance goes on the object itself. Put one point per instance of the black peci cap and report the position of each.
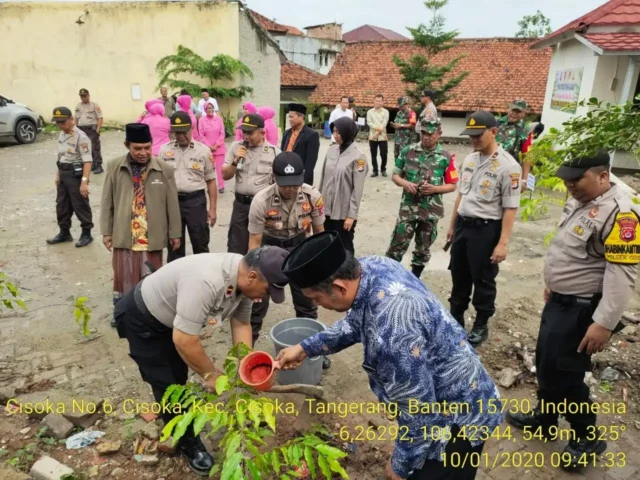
(180, 122)
(315, 259)
(137, 133)
(478, 122)
(298, 107)
(61, 114)
(288, 169)
(251, 122)
(575, 168)
(270, 262)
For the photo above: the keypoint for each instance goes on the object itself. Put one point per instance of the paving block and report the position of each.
(58, 426)
(47, 468)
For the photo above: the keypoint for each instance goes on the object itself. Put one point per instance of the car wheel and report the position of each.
(26, 132)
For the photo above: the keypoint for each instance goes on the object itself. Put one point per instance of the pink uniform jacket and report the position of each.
(185, 105)
(159, 125)
(212, 133)
(270, 128)
(147, 106)
(251, 108)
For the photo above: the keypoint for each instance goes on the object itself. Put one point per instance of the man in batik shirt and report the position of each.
(415, 354)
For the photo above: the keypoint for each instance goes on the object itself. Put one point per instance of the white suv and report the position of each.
(19, 121)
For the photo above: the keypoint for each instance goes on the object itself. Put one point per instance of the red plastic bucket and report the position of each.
(256, 370)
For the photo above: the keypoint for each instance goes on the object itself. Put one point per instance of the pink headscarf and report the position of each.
(270, 128)
(159, 125)
(252, 109)
(147, 106)
(156, 109)
(185, 105)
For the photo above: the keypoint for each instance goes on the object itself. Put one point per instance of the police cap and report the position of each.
(251, 122)
(478, 122)
(574, 169)
(61, 114)
(288, 169)
(180, 122)
(83, 91)
(315, 259)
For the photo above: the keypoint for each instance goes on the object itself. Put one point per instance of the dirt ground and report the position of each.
(44, 347)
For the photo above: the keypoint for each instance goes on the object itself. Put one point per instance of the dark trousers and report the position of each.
(346, 237)
(559, 367)
(455, 452)
(238, 236)
(471, 269)
(96, 151)
(69, 201)
(193, 210)
(384, 148)
(151, 347)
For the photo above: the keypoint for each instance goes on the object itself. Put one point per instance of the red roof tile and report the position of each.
(615, 42)
(501, 70)
(293, 75)
(371, 33)
(271, 26)
(614, 12)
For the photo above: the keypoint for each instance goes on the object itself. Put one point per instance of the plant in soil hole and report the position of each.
(23, 458)
(240, 418)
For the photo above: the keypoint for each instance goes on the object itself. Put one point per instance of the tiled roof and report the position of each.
(615, 42)
(614, 12)
(371, 33)
(297, 76)
(500, 70)
(271, 26)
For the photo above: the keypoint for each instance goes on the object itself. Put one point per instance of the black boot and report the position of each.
(97, 169)
(479, 333)
(326, 363)
(581, 453)
(537, 422)
(85, 239)
(417, 270)
(63, 236)
(374, 174)
(383, 173)
(199, 460)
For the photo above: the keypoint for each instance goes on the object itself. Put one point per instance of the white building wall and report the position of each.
(306, 51)
(609, 78)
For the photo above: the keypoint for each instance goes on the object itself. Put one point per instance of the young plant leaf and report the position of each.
(330, 452)
(308, 456)
(336, 467)
(168, 428)
(222, 384)
(182, 425)
(230, 466)
(324, 467)
(200, 422)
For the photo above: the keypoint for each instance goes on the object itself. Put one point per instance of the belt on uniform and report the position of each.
(244, 199)
(475, 221)
(190, 195)
(65, 166)
(563, 299)
(137, 297)
(90, 127)
(283, 242)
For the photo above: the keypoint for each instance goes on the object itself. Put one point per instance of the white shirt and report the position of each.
(337, 114)
(201, 104)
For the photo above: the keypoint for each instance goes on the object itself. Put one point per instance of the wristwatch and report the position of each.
(234, 163)
(86, 180)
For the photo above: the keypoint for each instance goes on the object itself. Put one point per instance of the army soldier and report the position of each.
(162, 318)
(251, 162)
(72, 179)
(590, 277)
(280, 215)
(481, 224)
(514, 135)
(425, 171)
(194, 174)
(404, 124)
(89, 120)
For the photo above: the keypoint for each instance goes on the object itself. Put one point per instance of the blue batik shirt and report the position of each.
(415, 353)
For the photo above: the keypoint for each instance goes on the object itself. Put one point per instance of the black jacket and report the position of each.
(307, 146)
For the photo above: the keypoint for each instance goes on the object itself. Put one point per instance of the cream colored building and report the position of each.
(112, 48)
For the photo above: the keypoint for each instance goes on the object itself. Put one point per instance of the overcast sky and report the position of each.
(473, 18)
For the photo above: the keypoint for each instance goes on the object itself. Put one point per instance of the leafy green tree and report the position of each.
(420, 72)
(534, 26)
(171, 68)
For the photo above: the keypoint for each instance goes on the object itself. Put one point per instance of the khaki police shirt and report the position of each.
(271, 215)
(185, 293)
(255, 171)
(430, 111)
(576, 263)
(488, 185)
(193, 165)
(87, 114)
(75, 147)
(342, 182)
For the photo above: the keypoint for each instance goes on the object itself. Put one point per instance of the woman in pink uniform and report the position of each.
(212, 135)
(247, 109)
(159, 125)
(147, 105)
(185, 105)
(270, 128)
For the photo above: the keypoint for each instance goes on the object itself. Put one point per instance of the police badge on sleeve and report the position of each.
(623, 243)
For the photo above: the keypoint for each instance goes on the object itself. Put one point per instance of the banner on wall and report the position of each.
(566, 90)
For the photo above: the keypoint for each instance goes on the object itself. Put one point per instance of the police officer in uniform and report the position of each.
(251, 162)
(194, 175)
(590, 277)
(72, 179)
(281, 215)
(89, 120)
(481, 224)
(162, 318)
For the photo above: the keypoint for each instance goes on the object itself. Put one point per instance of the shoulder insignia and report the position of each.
(265, 149)
(85, 147)
(515, 180)
(470, 165)
(360, 165)
(623, 243)
(320, 202)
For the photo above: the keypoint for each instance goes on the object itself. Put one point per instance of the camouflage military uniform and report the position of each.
(403, 136)
(512, 136)
(419, 213)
